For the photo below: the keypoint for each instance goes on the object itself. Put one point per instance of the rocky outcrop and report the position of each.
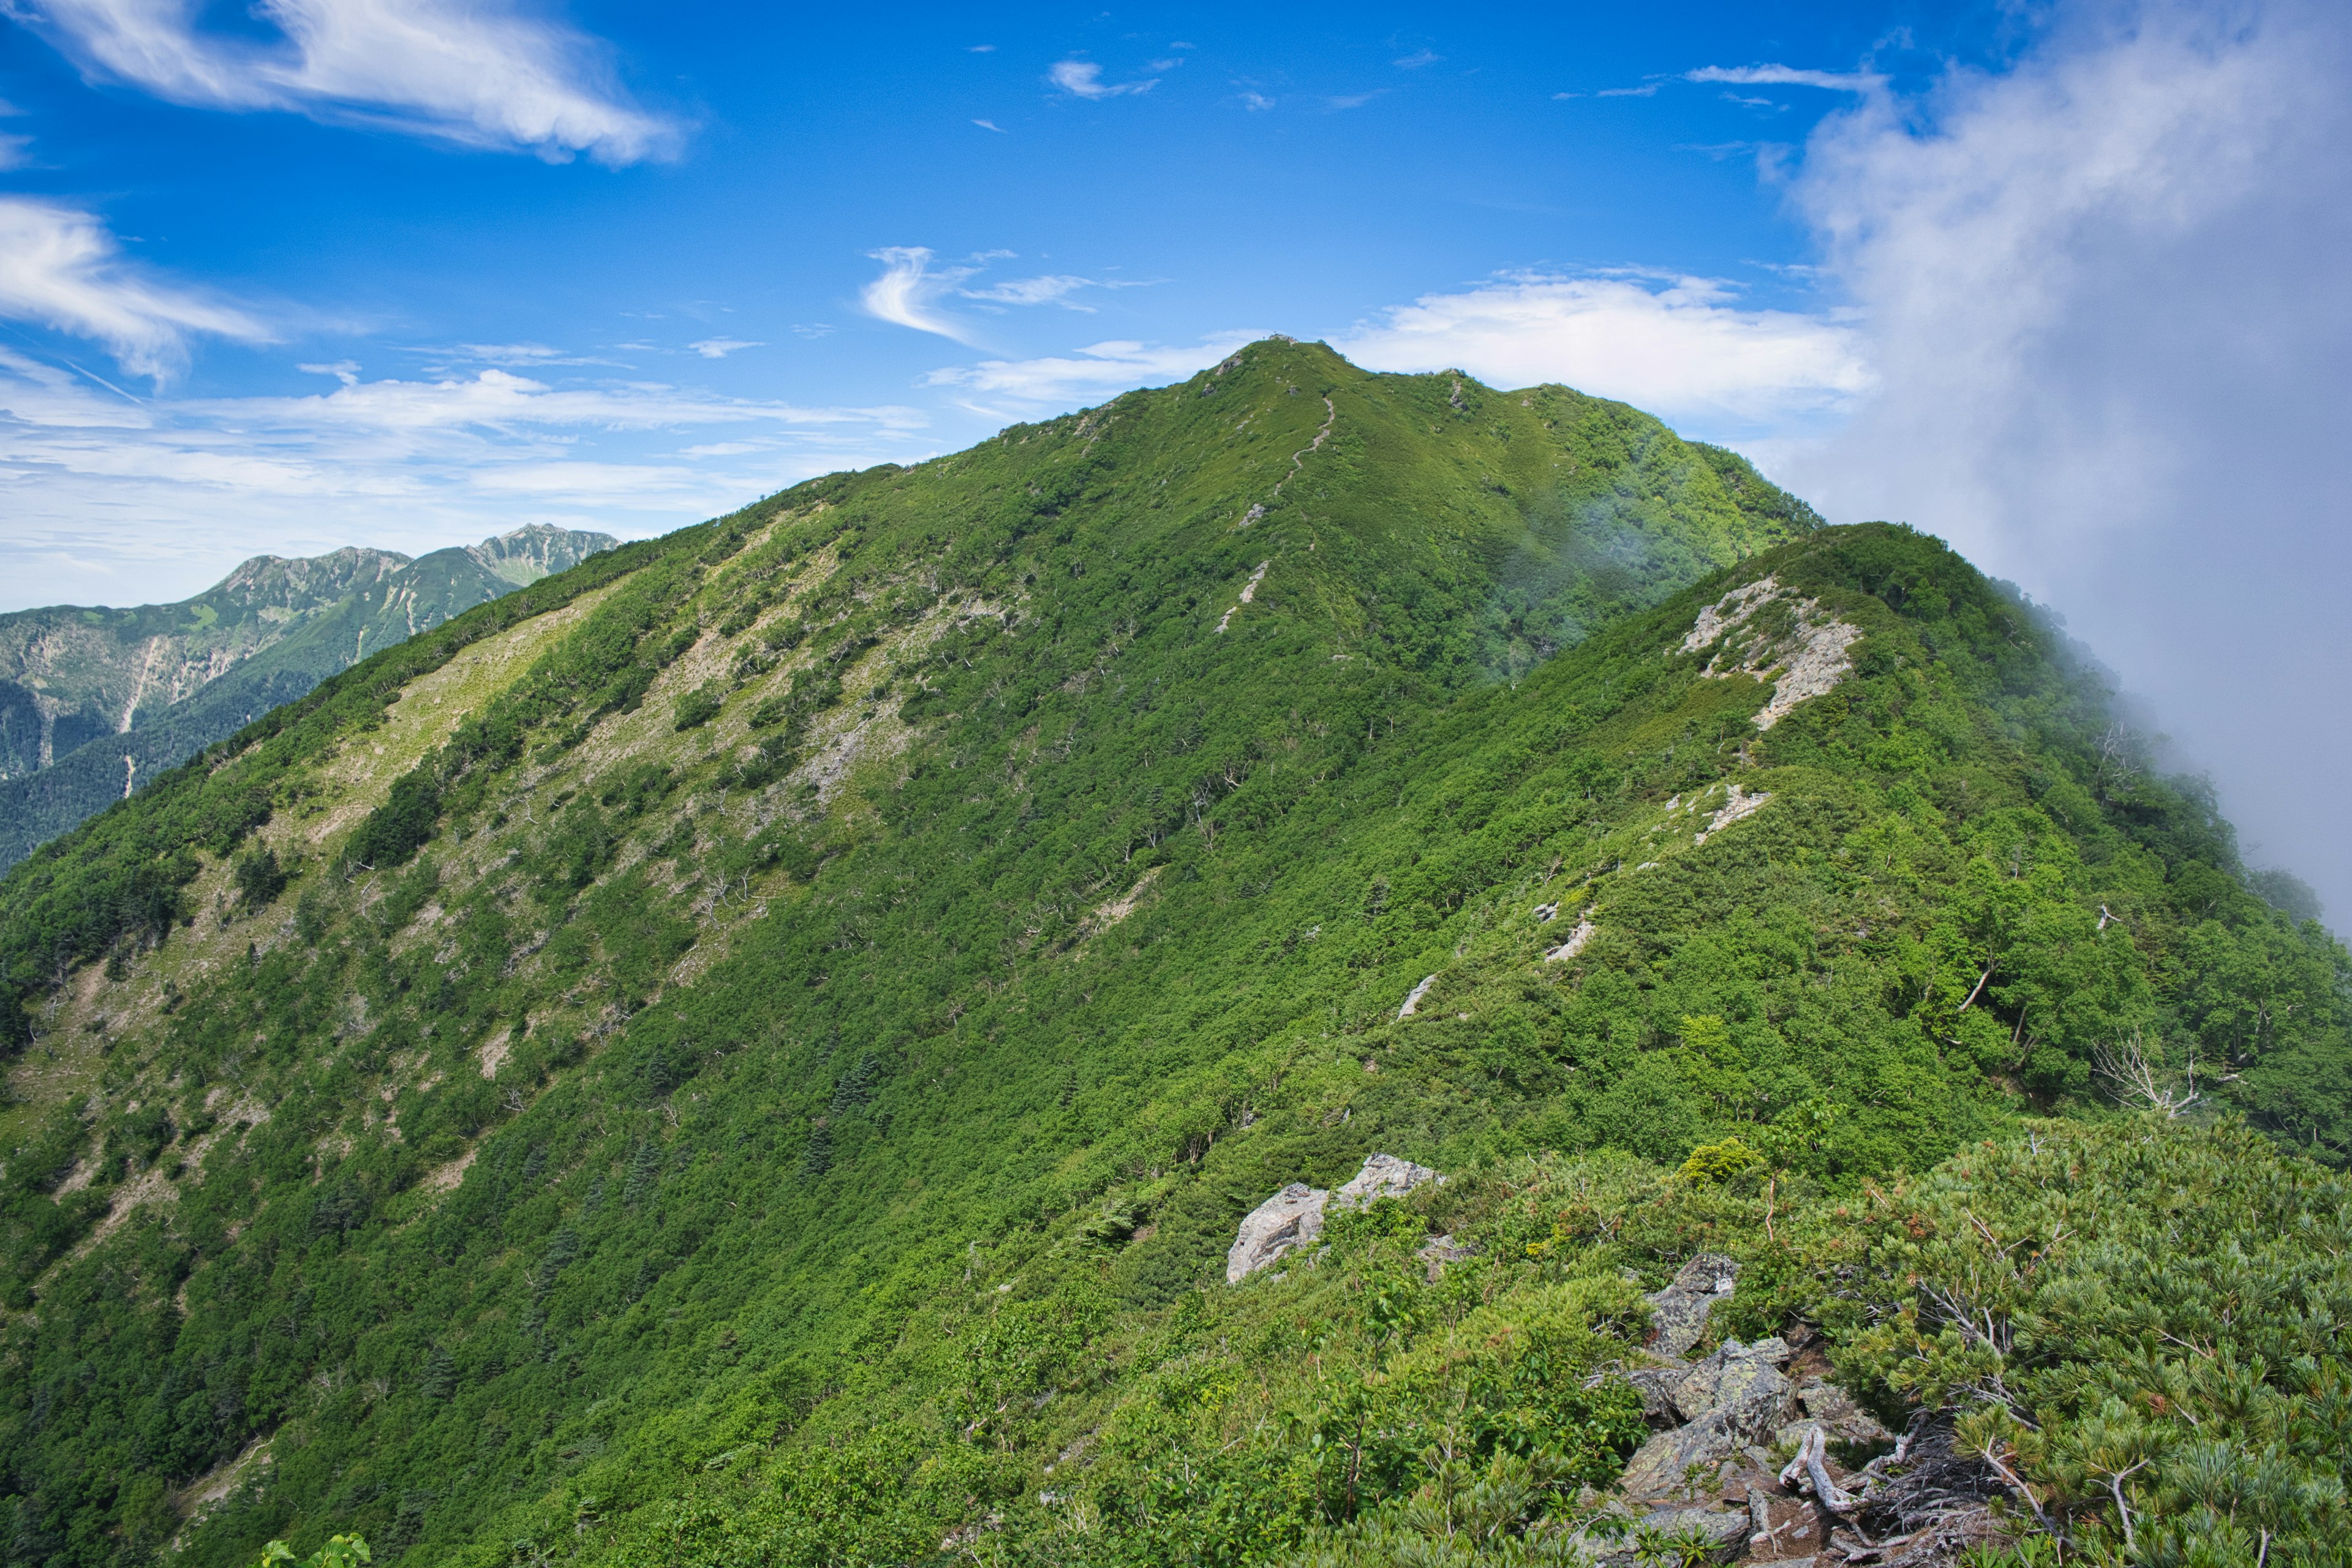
(1293, 1217)
(1290, 1219)
(1731, 1401)
(1678, 1314)
(1711, 1481)
(1383, 1176)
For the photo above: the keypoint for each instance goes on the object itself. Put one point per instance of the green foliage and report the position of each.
(259, 877)
(815, 1136)
(340, 1552)
(2145, 1322)
(699, 706)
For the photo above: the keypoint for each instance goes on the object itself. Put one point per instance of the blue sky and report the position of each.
(670, 219)
(2057, 280)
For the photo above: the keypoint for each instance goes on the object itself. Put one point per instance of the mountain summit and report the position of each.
(107, 699)
(926, 1018)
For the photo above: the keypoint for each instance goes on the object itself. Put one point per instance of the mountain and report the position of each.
(94, 701)
(782, 1043)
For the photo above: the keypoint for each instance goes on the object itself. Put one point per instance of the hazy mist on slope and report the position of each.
(2104, 294)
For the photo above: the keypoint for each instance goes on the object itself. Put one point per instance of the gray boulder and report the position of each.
(1840, 1417)
(1734, 1398)
(1681, 1458)
(1293, 1217)
(1383, 1176)
(1743, 1381)
(1678, 1314)
(1657, 1385)
(1290, 1219)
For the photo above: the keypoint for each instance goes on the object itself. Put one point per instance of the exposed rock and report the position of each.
(1841, 1417)
(1290, 1219)
(1383, 1176)
(1657, 1385)
(1741, 1382)
(1412, 998)
(1680, 1456)
(1803, 662)
(1678, 1314)
(1441, 1250)
(1574, 944)
(1293, 1217)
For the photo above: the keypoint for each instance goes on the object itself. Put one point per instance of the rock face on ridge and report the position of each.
(1711, 1471)
(1293, 1217)
(1290, 1219)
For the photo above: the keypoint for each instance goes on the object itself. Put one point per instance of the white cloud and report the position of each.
(1417, 59)
(904, 293)
(1788, 75)
(1649, 90)
(990, 125)
(719, 348)
(1678, 347)
(482, 75)
(1052, 289)
(1083, 78)
(2103, 293)
(61, 268)
(1099, 368)
(1256, 102)
(175, 490)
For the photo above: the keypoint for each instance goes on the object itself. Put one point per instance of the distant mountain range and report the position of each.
(94, 701)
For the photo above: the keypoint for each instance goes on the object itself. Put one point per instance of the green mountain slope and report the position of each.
(96, 701)
(754, 1049)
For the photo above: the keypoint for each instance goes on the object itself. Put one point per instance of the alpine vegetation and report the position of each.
(1308, 967)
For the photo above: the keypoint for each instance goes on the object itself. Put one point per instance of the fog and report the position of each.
(2105, 295)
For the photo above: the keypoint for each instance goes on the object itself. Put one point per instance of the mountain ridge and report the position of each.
(754, 1049)
(100, 700)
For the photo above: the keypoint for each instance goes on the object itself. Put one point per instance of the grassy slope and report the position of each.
(675, 1101)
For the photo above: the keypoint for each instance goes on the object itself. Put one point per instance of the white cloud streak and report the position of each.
(481, 75)
(60, 268)
(1083, 78)
(1680, 347)
(903, 293)
(1788, 75)
(1115, 365)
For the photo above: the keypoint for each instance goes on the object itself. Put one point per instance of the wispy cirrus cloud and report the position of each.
(1083, 78)
(1788, 76)
(913, 282)
(1117, 365)
(907, 287)
(481, 75)
(61, 268)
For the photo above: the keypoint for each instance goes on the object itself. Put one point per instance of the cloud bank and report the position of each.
(1678, 347)
(2103, 293)
(483, 75)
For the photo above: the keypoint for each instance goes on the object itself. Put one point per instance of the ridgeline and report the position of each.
(94, 702)
(753, 1050)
